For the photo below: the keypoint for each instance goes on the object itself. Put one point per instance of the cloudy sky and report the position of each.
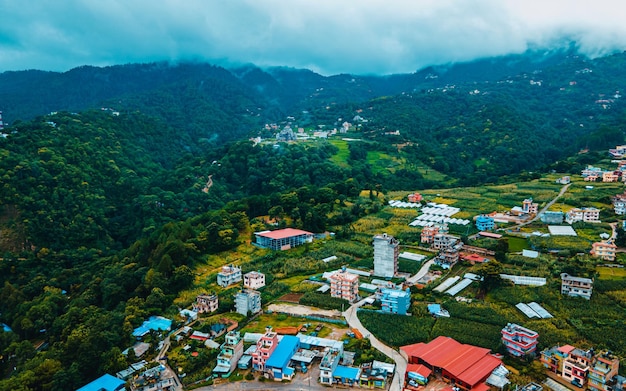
(328, 36)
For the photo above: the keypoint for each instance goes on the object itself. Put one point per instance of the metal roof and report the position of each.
(540, 310)
(283, 352)
(459, 287)
(524, 280)
(529, 312)
(282, 233)
(447, 283)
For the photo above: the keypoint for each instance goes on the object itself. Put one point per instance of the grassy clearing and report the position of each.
(611, 273)
(341, 157)
(517, 244)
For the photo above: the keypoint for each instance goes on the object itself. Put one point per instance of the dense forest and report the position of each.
(105, 213)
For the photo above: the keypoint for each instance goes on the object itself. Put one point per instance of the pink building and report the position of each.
(519, 341)
(428, 234)
(415, 197)
(265, 346)
(344, 285)
(530, 207)
(576, 367)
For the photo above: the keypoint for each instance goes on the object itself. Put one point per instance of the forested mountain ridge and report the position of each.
(213, 103)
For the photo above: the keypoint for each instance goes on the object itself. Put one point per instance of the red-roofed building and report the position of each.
(418, 373)
(283, 239)
(466, 366)
(472, 258)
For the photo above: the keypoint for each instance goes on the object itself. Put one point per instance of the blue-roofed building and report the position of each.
(153, 323)
(484, 223)
(104, 383)
(5, 328)
(346, 375)
(395, 301)
(278, 363)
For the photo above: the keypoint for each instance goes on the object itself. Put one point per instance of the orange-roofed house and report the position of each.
(604, 250)
(283, 239)
(466, 366)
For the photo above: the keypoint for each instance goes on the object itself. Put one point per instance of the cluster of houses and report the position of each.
(278, 357)
(574, 215)
(344, 283)
(584, 368)
(593, 174)
(248, 300)
(448, 246)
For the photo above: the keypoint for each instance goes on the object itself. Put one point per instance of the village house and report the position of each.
(530, 207)
(519, 341)
(591, 171)
(228, 275)
(265, 346)
(484, 223)
(415, 197)
(587, 215)
(248, 302)
(564, 180)
(604, 250)
(230, 353)
(206, 303)
(277, 365)
(254, 280)
(394, 301)
(428, 233)
(603, 371)
(619, 204)
(328, 365)
(610, 176)
(449, 247)
(597, 371)
(344, 285)
(576, 286)
(618, 152)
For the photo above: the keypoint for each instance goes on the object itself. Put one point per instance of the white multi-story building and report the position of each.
(386, 251)
(248, 302)
(619, 204)
(254, 280)
(588, 215)
(576, 286)
(228, 275)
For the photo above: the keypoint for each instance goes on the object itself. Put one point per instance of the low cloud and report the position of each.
(362, 37)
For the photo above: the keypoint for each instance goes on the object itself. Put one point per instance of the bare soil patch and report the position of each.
(291, 297)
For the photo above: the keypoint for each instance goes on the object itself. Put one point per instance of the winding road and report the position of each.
(353, 320)
(350, 314)
(548, 205)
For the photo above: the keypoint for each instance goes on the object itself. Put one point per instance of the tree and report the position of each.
(490, 275)
(620, 239)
